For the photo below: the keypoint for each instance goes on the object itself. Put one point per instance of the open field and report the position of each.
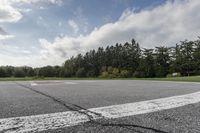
(185, 79)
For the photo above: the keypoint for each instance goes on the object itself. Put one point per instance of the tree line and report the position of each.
(121, 60)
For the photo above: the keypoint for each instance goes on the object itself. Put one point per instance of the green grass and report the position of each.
(185, 79)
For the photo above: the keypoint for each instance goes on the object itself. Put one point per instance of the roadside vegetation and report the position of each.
(181, 79)
(127, 60)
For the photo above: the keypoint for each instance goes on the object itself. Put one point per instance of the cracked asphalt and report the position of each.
(25, 98)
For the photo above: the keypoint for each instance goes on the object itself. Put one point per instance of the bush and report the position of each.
(67, 73)
(103, 69)
(125, 74)
(115, 73)
(197, 72)
(18, 72)
(110, 70)
(138, 74)
(91, 73)
(2, 72)
(81, 72)
(104, 75)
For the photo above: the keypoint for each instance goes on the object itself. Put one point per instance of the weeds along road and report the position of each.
(99, 106)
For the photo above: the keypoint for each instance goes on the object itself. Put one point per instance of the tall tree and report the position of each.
(187, 53)
(196, 56)
(149, 62)
(162, 61)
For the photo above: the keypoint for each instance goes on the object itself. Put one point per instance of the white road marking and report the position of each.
(51, 83)
(45, 84)
(71, 118)
(87, 81)
(71, 83)
(34, 84)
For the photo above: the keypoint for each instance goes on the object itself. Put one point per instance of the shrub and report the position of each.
(104, 75)
(67, 73)
(81, 72)
(103, 69)
(18, 72)
(115, 73)
(2, 72)
(110, 70)
(91, 73)
(138, 74)
(125, 74)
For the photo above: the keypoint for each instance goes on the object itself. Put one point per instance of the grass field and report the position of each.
(185, 79)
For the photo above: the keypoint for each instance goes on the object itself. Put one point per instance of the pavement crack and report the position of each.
(92, 116)
(70, 106)
(127, 126)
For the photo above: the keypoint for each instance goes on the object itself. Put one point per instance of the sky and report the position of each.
(47, 32)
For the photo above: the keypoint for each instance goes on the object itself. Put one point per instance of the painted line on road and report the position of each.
(44, 122)
(55, 83)
(71, 83)
(34, 84)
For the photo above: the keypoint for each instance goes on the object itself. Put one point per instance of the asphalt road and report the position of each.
(26, 98)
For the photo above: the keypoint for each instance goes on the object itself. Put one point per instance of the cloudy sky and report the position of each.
(47, 32)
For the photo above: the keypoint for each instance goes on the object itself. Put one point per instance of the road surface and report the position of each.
(100, 106)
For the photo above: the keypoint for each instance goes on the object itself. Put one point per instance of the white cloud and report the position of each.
(4, 35)
(9, 13)
(81, 19)
(26, 52)
(25, 10)
(163, 25)
(16, 56)
(73, 25)
(57, 2)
